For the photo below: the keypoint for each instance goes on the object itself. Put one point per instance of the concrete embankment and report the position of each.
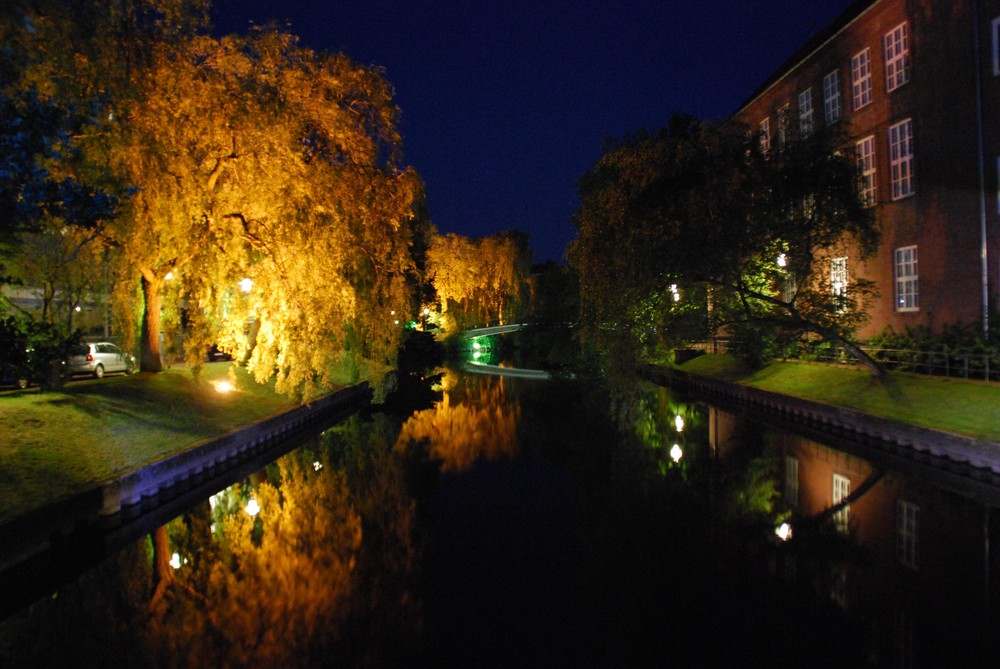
(52, 543)
(972, 464)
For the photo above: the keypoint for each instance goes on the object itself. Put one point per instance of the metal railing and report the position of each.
(957, 363)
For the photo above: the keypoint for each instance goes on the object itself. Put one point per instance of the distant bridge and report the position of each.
(496, 370)
(493, 330)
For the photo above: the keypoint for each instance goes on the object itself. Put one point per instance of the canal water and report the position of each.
(494, 521)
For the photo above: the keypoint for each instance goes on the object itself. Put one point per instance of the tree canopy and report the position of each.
(701, 226)
(247, 157)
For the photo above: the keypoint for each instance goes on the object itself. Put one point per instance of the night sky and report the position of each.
(506, 104)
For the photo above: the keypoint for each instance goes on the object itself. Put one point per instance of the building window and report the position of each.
(841, 489)
(867, 185)
(806, 112)
(764, 134)
(904, 644)
(838, 282)
(995, 31)
(901, 159)
(897, 58)
(792, 480)
(907, 295)
(907, 525)
(861, 78)
(831, 97)
(784, 125)
(838, 586)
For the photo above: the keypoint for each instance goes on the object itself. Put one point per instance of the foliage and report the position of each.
(680, 234)
(244, 157)
(483, 281)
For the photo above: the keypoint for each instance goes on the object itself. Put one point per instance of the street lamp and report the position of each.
(245, 285)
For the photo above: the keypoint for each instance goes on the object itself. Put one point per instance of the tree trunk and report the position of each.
(149, 353)
(163, 573)
(877, 370)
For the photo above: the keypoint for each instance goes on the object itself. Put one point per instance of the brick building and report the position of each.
(916, 84)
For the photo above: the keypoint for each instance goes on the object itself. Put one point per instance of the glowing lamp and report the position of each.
(784, 531)
(676, 453)
(246, 285)
(252, 508)
(223, 387)
(679, 423)
(782, 260)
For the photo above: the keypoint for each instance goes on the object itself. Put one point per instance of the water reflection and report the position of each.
(525, 523)
(473, 420)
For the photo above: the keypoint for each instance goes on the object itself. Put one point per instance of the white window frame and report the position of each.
(784, 124)
(907, 277)
(995, 32)
(806, 126)
(764, 134)
(901, 159)
(861, 78)
(838, 281)
(907, 532)
(792, 480)
(897, 57)
(831, 97)
(841, 490)
(868, 185)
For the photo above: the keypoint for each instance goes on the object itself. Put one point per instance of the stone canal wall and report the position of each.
(976, 459)
(124, 507)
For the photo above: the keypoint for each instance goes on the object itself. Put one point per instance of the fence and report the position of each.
(940, 361)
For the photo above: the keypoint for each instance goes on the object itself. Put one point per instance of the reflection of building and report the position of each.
(915, 84)
(917, 568)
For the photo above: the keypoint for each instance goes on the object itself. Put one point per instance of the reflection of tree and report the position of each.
(482, 425)
(324, 570)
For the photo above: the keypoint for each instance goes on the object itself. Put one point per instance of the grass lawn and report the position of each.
(56, 443)
(953, 405)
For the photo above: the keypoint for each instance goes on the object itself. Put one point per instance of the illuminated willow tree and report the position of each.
(250, 157)
(481, 281)
(702, 224)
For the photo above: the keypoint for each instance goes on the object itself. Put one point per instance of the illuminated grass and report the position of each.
(56, 443)
(953, 405)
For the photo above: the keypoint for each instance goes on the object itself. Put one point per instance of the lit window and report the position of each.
(841, 489)
(831, 97)
(838, 281)
(806, 112)
(907, 525)
(764, 132)
(866, 171)
(792, 480)
(907, 295)
(861, 78)
(897, 58)
(901, 159)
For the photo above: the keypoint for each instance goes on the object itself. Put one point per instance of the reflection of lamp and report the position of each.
(676, 453)
(252, 507)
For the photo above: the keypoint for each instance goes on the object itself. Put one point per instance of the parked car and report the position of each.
(99, 358)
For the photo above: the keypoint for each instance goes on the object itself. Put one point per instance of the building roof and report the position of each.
(853, 11)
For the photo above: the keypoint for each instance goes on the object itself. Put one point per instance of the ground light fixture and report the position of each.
(223, 387)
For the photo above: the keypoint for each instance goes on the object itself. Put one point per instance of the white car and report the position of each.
(99, 358)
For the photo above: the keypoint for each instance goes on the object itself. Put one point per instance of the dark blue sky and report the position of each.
(506, 104)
